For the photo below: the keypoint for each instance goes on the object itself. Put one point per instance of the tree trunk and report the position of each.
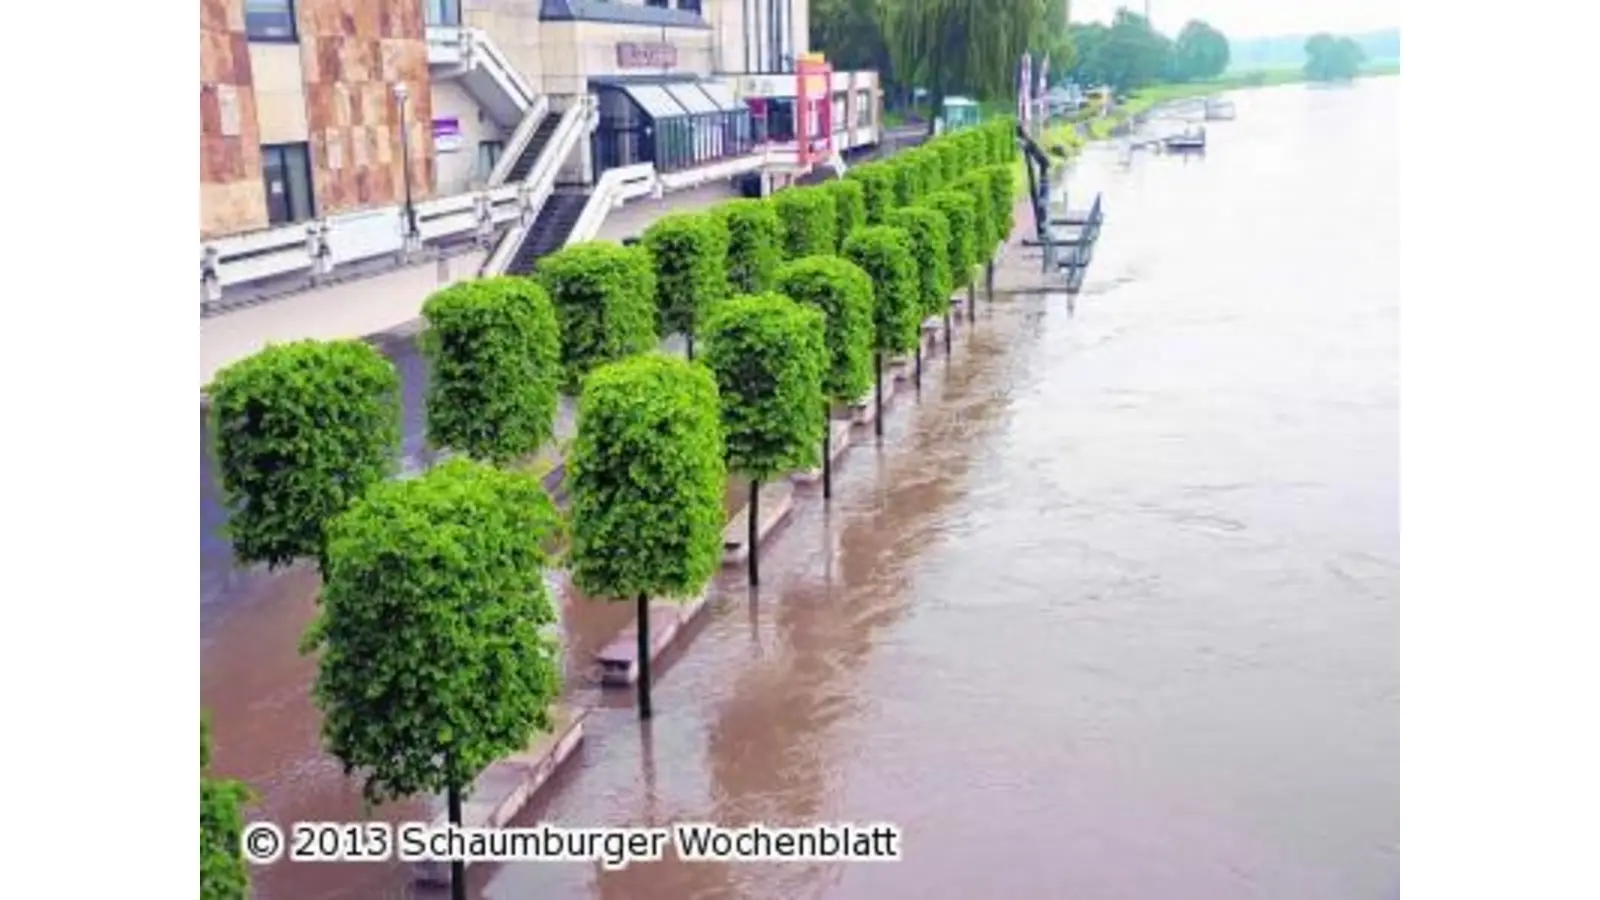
(919, 361)
(755, 531)
(458, 867)
(972, 300)
(827, 452)
(877, 393)
(988, 279)
(947, 332)
(689, 344)
(644, 657)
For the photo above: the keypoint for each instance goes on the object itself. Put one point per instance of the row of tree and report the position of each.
(973, 46)
(434, 633)
(1129, 53)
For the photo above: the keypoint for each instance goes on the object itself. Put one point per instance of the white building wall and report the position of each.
(461, 169)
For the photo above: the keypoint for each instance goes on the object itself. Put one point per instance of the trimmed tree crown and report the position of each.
(434, 657)
(494, 356)
(843, 292)
(647, 476)
(755, 243)
(768, 355)
(300, 431)
(810, 221)
(605, 302)
(885, 253)
(850, 202)
(930, 240)
(689, 252)
(961, 216)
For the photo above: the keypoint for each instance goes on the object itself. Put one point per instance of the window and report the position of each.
(658, 4)
(269, 20)
(488, 155)
(286, 172)
(863, 109)
(441, 12)
(692, 6)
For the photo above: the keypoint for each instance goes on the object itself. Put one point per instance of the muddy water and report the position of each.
(1112, 612)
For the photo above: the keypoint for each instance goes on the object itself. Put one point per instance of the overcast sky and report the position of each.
(1253, 18)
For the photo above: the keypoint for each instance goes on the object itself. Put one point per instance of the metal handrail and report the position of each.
(519, 140)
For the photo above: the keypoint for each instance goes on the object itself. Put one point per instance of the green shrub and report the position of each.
(850, 203)
(961, 216)
(810, 221)
(223, 872)
(885, 254)
(768, 355)
(906, 177)
(300, 431)
(605, 300)
(494, 360)
(987, 232)
(930, 245)
(435, 659)
(950, 161)
(755, 243)
(689, 252)
(878, 186)
(647, 478)
(843, 292)
(930, 169)
(1002, 198)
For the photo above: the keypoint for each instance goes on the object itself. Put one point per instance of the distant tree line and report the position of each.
(1330, 58)
(972, 47)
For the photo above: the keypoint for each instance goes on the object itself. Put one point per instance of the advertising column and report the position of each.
(812, 109)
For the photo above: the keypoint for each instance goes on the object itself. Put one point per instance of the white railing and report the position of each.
(614, 188)
(481, 45)
(578, 120)
(519, 140)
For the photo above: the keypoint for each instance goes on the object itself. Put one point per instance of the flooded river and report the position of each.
(1112, 612)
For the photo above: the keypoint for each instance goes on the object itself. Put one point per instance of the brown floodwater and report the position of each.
(1112, 611)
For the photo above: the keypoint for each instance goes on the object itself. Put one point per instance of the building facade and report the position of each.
(314, 110)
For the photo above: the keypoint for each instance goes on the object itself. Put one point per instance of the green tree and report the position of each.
(986, 234)
(843, 293)
(850, 203)
(769, 357)
(690, 255)
(434, 656)
(647, 476)
(1330, 58)
(1201, 51)
(494, 357)
(955, 45)
(223, 872)
(878, 189)
(810, 221)
(885, 254)
(961, 215)
(300, 431)
(929, 231)
(605, 300)
(755, 243)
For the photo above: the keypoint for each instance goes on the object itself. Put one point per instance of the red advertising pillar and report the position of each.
(813, 103)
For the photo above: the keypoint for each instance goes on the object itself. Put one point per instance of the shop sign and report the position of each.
(631, 55)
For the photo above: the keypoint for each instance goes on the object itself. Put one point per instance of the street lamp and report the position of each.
(400, 94)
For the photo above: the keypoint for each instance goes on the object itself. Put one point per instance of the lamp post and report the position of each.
(400, 94)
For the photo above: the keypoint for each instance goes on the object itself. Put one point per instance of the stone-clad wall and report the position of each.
(231, 195)
(352, 52)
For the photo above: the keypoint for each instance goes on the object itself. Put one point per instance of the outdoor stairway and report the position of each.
(550, 229)
(534, 148)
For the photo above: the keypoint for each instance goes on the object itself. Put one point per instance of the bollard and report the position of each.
(443, 267)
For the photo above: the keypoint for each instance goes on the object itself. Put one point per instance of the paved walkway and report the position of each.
(367, 306)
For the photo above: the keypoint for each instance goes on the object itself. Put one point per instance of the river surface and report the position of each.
(1112, 612)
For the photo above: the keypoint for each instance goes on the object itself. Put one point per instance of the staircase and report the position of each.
(470, 56)
(531, 151)
(550, 229)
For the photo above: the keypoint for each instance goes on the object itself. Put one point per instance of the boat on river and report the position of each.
(1190, 140)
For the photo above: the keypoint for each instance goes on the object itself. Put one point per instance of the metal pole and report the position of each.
(400, 93)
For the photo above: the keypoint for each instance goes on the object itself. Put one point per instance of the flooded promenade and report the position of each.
(1112, 612)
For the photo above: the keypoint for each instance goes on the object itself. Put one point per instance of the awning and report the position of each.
(691, 98)
(722, 95)
(654, 100)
